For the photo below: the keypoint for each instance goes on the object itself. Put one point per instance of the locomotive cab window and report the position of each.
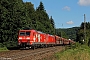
(27, 33)
(22, 33)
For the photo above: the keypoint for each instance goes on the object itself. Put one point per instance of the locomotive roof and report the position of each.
(27, 30)
(41, 32)
(33, 31)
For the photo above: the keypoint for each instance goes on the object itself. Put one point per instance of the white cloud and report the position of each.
(66, 8)
(84, 2)
(69, 22)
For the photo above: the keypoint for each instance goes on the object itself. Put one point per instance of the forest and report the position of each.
(16, 15)
(69, 33)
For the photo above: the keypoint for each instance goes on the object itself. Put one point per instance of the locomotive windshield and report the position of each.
(27, 33)
(24, 33)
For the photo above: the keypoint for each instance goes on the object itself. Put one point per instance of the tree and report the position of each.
(12, 19)
(16, 15)
(3, 20)
(80, 33)
(30, 15)
(41, 7)
(52, 25)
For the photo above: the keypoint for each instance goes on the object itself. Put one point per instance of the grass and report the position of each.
(3, 49)
(73, 52)
(81, 52)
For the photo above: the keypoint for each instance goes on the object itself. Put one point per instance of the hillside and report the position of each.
(69, 33)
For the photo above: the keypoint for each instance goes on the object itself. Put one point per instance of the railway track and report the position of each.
(29, 54)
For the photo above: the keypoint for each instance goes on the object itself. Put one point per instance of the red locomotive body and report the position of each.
(26, 38)
(33, 39)
(51, 39)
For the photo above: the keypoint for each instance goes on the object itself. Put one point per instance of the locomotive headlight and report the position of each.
(28, 38)
(20, 37)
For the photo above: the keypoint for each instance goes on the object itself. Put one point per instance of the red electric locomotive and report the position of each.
(26, 38)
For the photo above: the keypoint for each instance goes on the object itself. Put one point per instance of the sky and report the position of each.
(66, 13)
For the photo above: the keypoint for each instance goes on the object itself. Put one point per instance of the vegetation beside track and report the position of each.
(72, 52)
(3, 49)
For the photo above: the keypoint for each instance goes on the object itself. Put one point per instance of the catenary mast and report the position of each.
(85, 28)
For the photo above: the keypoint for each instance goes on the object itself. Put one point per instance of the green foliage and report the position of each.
(16, 15)
(1, 45)
(87, 25)
(81, 52)
(43, 23)
(3, 49)
(13, 19)
(80, 34)
(74, 46)
(52, 25)
(41, 7)
(69, 33)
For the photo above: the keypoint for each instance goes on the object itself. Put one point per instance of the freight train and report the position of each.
(34, 39)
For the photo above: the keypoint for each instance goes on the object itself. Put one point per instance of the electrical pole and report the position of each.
(85, 28)
(62, 31)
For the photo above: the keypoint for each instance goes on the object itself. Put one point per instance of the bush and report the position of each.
(81, 52)
(1, 45)
(3, 49)
(73, 46)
